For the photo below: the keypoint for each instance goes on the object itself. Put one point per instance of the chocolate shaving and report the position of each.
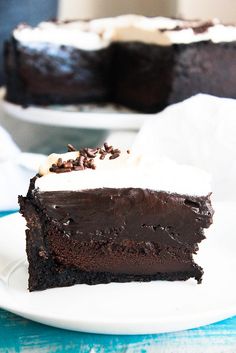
(68, 164)
(62, 170)
(71, 148)
(81, 161)
(115, 151)
(114, 155)
(196, 26)
(59, 162)
(78, 167)
(106, 146)
(85, 160)
(102, 156)
(203, 27)
(91, 152)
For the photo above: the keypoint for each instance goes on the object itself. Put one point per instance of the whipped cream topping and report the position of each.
(128, 170)
(99, 33)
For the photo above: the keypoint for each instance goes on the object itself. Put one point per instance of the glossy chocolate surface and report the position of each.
(104, 235)
(120, 214)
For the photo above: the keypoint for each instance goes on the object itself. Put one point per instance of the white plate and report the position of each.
(89, 116)
(129, 308)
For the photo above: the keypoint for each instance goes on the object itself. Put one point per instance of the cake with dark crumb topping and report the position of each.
(104, 215)
(142, 63)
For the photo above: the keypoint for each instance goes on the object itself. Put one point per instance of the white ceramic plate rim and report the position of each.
(141, 327)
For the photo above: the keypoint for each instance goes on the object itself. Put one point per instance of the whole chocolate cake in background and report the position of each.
(104, 215)
(142, 63)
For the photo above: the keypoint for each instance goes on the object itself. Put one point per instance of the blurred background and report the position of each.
(191, 9)
(34, 11)
(45, 139)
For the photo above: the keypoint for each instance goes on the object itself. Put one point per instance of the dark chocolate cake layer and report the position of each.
(103, 235)
(135, 73)
(53, 74)
(150, 77)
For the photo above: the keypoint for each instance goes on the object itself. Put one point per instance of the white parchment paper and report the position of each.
(16, 169)
(201, 131)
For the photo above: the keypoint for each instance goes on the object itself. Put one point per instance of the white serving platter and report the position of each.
(89, 116)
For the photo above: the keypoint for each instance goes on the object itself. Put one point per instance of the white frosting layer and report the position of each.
(124, 172)
(97, 34)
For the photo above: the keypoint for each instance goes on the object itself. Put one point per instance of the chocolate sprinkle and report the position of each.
(59, 162)
(114, 155)
(85, 160)
(71, 148)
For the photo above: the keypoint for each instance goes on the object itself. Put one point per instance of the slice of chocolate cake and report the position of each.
(142, 63)
(101, 215)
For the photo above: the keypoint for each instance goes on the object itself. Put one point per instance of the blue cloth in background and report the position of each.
(6, 213)
(13, 12)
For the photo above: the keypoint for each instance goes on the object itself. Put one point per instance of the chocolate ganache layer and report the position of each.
(104, 234)
(142, 63)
